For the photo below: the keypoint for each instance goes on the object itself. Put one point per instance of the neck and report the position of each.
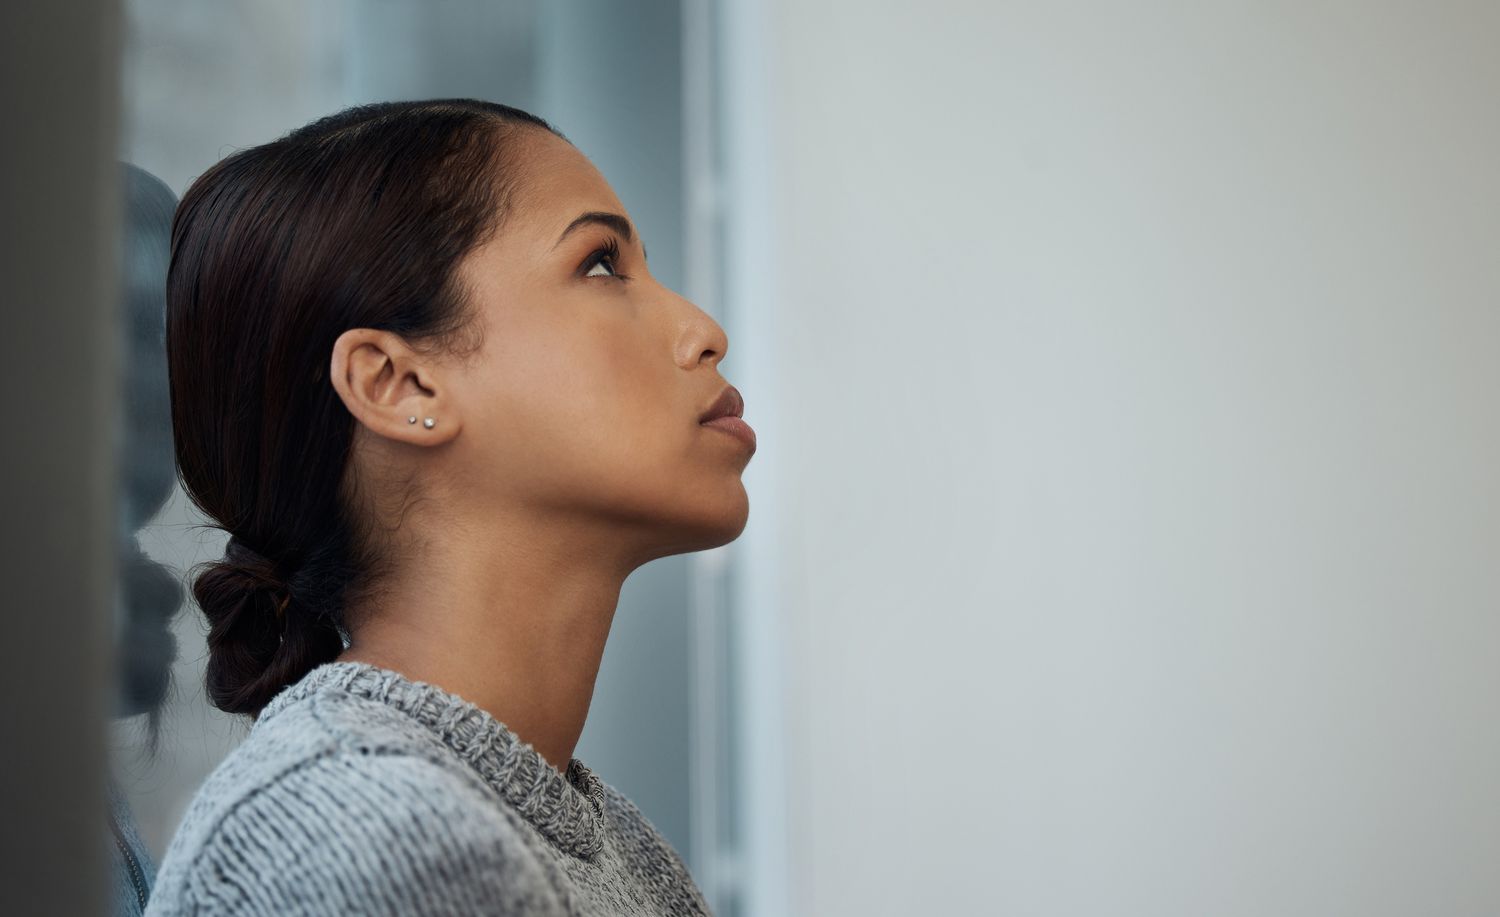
(514, 621)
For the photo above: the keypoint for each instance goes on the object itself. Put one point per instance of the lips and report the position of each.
(728, 404)
(725, 414)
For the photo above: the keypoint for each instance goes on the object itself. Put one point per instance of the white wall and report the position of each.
(1136, 404)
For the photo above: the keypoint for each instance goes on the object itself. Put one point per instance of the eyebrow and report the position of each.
(603, 218)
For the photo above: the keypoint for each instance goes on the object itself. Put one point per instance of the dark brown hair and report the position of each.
(356, 220)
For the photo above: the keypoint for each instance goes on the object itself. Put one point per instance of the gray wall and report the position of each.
(1138, 455)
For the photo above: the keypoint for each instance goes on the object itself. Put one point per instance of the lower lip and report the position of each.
(735, 427)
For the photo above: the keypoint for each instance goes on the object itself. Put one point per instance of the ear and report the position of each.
(384, 384)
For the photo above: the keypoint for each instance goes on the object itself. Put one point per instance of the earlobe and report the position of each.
(389, 388)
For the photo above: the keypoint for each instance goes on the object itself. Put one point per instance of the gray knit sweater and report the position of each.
(360, 791)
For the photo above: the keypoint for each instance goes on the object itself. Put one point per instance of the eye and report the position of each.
(604, 261)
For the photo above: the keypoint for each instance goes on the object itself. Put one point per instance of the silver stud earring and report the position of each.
(428, 423)
(411, 420)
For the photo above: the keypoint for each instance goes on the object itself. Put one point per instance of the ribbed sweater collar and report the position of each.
(567, 808)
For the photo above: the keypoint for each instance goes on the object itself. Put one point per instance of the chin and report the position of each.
(735, 514)
(731, 529)
(708, 526)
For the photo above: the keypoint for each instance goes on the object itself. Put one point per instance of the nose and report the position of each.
(701, 339)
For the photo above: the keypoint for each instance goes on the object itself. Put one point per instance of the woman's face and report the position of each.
(585, 398)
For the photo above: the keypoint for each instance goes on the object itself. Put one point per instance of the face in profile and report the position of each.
(583, 403)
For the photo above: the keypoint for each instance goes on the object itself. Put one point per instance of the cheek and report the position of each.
(591, 400)
(634, 401)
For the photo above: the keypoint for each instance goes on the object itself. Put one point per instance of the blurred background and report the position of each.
(1125, 523)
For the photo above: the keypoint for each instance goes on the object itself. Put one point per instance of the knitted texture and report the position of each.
(360, 791)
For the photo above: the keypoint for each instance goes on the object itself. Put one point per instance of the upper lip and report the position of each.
(728, 404)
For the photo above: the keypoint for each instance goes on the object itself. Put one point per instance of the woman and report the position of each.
(421, 371)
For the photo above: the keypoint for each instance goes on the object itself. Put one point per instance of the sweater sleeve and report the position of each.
(352, 833)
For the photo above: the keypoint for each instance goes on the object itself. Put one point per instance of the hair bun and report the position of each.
(262, 573)
(255, 647)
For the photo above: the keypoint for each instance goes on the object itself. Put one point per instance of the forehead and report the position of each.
(554, 183)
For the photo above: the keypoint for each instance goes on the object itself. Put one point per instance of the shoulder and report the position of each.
(302, 739)
(341, 808)
(644, 845)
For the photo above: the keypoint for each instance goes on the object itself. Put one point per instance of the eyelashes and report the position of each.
(607, 255)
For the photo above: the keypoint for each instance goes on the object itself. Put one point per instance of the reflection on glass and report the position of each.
(149, 594)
